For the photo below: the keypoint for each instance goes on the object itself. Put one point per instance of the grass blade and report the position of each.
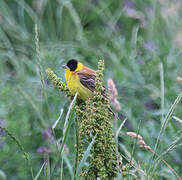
(40, 68)
(177, 119)
(38, 174)
(159, 157)
(56, 122)
(168, 116)
(3, 175)
(164, 125)
(21, 148)
(85, 156)
(135, 142)
(116, 140)
(120, 127)
(162, 90)
(29, 99)
(69, 165)
(61, 173)
(68, 113)
(67, 126)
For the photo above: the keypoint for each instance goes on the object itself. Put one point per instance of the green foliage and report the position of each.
(95, 120)
(140, 42)
(57, 82)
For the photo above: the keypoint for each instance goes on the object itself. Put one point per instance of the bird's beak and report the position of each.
(64, 66)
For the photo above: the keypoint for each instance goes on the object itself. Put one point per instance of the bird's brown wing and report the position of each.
(87, 78)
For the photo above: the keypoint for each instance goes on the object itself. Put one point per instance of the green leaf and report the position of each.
(67, 125)
(38, 174)
(85, 156)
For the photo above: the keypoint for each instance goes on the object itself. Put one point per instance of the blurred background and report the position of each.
(141, 43)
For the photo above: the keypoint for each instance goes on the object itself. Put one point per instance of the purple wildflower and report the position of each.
(128, 4)
(1, 144)
(2, 132)
(150, 46)
(43, 150)
(47, 135)
(2, 124)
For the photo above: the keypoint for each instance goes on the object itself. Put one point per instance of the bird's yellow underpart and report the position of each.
(74, 84)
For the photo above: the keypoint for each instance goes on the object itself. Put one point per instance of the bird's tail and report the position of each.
(114, 114)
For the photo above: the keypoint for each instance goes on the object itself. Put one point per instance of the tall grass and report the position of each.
(141, 44)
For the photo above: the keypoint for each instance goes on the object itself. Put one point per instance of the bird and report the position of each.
(80, 78)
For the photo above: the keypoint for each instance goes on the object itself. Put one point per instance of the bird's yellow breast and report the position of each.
(74, 85)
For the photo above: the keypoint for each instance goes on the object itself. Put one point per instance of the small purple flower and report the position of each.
(150, 46)
(129, 7)
(47, 135)
(2, 124)
(1, 144)
(2, 132)
(128, 4)
(46, 82)
(43, 150)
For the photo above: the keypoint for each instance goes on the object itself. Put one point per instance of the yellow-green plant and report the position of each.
(93, 119)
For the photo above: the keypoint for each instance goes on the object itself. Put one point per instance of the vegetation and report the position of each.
(140, 42)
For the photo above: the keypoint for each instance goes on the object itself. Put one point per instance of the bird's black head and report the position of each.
(72, 64)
